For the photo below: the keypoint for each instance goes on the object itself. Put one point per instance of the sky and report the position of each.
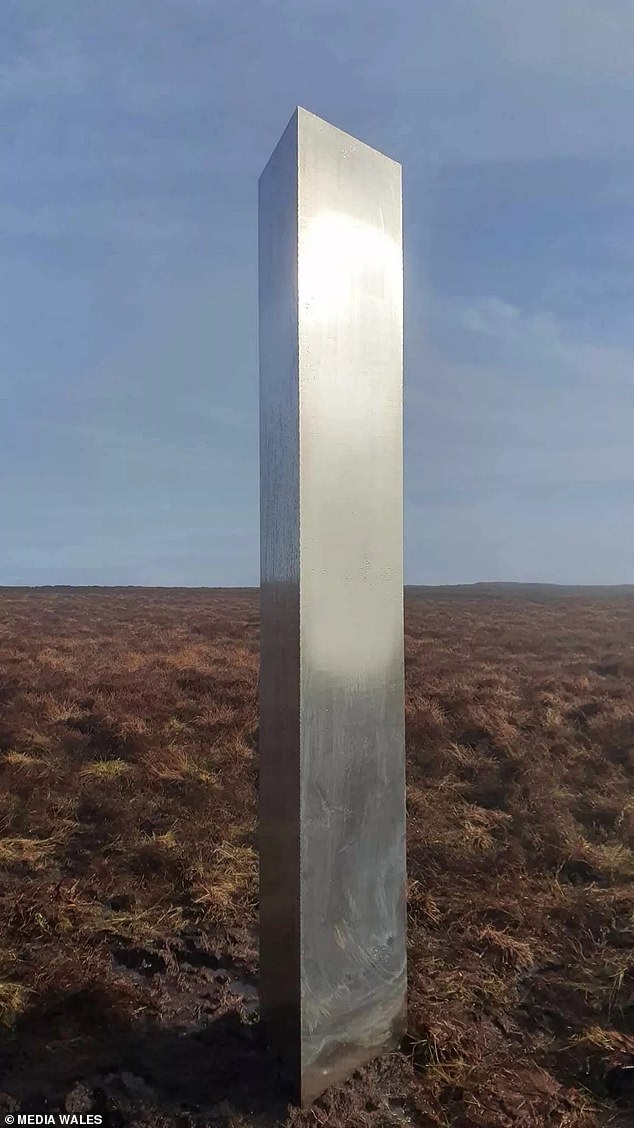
(132, 136)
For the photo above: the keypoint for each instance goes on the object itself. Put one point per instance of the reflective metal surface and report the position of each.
(332, 763)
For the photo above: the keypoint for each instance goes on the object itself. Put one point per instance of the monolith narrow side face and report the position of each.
(332, 760)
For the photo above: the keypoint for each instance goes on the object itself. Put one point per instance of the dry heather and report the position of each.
(128, 868)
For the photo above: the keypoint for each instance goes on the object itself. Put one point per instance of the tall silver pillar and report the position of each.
(332, 762)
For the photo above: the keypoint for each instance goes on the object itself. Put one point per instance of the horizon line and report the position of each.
(256, 587)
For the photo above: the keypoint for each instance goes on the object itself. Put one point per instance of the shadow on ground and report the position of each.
(198, 1052)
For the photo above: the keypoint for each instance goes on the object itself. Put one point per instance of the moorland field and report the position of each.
(128, 862)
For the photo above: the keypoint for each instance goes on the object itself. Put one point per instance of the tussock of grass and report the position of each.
(511, 951)
(142, 926)
(134, 726)
(55, 659)
(38, 739)
(166, 841)
(227, 887)
(13, 999)
(174, 763)
(32, 851)
(105, 769)
(598, 1038)
(25, 762)
(190, 656)
(421, 904)
(219, 713)
(605, 862)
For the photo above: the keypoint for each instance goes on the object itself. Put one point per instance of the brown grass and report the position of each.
(128, 865)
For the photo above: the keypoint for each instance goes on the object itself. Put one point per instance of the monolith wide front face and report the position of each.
(332, 763)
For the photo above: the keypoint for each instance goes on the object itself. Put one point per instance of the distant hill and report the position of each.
(519, 591)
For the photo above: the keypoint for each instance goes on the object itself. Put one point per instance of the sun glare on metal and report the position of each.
(337, 254)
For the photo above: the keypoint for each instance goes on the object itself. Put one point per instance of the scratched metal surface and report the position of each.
(332, 716)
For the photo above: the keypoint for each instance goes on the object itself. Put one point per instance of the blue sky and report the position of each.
(132, 137)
